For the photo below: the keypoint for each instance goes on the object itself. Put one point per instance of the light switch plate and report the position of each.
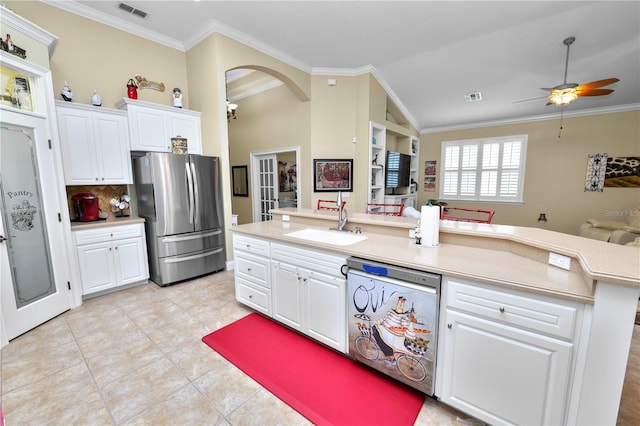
(560, 260)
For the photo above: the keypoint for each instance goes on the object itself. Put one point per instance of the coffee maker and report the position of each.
(86, 207)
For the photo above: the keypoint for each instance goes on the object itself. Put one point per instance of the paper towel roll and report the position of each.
(430, 225)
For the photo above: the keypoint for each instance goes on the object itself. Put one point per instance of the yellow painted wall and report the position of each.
(90, 55)
(556, 169)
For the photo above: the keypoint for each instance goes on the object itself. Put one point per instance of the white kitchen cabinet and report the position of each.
(95, 145)
(309, 293)
(252, 272)
(506, 357)
(111, 256)
(152, 126)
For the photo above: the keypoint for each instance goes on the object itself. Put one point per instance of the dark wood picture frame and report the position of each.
(332, 175)
(240, 181)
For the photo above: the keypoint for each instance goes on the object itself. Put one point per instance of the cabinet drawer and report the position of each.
(109, 233)
(254, 296)
(315, 260)
(514, 308)
(253, 268)
(251, 245)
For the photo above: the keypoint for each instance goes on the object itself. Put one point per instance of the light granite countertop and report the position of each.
(110, 221)
(510, 256)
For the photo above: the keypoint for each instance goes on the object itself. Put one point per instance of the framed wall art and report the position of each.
(332, 175)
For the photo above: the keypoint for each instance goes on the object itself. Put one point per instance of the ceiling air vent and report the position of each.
(472, 97)
(132, 10)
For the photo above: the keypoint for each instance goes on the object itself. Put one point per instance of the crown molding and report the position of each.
(543, 117)
(120, 24)
(215, 26)
(13, 20)
(346, 72)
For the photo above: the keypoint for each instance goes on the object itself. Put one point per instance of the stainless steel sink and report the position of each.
(337, 238)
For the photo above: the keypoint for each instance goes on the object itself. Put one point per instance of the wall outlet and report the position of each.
(560, 260)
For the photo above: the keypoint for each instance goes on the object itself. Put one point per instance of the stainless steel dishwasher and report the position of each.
(393, 320)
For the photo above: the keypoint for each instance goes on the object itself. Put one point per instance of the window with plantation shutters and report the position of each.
(484, 169)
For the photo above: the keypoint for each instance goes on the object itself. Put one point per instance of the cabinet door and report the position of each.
(78, 150)
(131, 261)
(186, 126)
(149, 130)
(325, 310)
(287, 290)
(502, 374)
(112, 148)
(97, 268)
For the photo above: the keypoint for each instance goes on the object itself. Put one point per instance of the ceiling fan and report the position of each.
(566, 93)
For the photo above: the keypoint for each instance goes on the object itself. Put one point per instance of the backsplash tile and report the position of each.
(104, 194)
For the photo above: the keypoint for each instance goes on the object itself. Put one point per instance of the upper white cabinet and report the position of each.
(152, 126)
(95, 145)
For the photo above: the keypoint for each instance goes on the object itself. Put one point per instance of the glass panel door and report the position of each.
(267, 186)
(22, 211)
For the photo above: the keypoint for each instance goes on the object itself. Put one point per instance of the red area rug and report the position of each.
(324, 386)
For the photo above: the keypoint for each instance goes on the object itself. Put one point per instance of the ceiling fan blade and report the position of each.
(594, 92)
(598, 83)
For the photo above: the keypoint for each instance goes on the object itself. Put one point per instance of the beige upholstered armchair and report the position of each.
(613, 231)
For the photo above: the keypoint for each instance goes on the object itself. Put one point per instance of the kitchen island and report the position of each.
(594, 302)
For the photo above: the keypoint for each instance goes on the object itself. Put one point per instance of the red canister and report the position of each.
(132, 89)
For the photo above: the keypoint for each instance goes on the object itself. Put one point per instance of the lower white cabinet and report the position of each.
(299, 287)
(506, 357)
(309, 293)
(111, 256)
(252, 273)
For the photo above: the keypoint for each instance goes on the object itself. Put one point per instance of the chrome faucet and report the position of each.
(342, 213)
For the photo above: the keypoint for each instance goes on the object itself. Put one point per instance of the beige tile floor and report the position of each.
(134, 357)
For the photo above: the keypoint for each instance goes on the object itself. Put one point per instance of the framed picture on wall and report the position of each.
(332, 175)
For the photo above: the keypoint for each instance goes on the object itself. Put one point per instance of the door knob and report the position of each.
(2, 239)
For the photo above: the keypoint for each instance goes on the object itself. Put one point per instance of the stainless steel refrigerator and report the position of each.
(180, 197)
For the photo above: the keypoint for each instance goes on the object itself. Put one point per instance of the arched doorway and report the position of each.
(268, 132)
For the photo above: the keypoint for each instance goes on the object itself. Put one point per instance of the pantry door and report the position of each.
(34, 285)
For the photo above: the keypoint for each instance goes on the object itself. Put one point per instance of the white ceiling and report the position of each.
(428, 54)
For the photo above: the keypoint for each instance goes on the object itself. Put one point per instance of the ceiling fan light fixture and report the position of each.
(563, 97)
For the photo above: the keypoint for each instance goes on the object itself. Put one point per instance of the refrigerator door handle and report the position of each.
(174, 239)
(196, 190)
(192, 257)
(190, 193)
